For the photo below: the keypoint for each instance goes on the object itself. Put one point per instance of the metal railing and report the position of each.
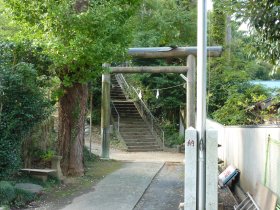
(131, 93)
(115, 109)
(247, 203)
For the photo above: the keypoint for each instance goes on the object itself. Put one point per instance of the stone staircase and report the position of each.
(132, 128)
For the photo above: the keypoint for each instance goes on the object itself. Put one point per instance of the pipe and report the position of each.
(201, 100)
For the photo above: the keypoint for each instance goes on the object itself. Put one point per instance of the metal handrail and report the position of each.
(131, 92)
(117, 114)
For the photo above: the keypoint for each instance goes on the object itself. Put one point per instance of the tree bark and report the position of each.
(72, 110)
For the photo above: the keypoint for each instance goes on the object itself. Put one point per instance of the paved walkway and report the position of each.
(166, 190)
(120, 190)
(144, 181)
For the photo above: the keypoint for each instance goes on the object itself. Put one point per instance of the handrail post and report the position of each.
(152, 120)
(117, 114)
(118, 123)
(163, 140)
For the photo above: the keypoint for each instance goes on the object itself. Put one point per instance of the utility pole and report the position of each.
(201, 101)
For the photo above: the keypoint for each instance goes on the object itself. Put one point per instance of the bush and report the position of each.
(88, 156)
(22, 105)
(7, 193)
(22, 197)
(172, 136)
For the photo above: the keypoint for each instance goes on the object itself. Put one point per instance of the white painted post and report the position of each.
(190, 168)
(211, 169)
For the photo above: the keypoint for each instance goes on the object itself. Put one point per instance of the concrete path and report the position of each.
(120, 190)
(166, 190)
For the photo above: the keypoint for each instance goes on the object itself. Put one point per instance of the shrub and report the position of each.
(7, 193)
(172, 136)
(22, 197)
(88, 156)
(22, 105)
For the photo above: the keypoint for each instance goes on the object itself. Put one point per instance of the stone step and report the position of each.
(132, 140)
(143, 145)
(127, 130)
(132, 126)
(143, 149)
(117, 93)
(136, 133)
(127, 115)
(132, 121)
(124, 106)
(137, 136)
(135, 128)
(127, 111)
(118, 98)
(125, 103)
(135, 120)
(141, 142)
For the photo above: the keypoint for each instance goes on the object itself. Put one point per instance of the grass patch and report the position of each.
(95, 170)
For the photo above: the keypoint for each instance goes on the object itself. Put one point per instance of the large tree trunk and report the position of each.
(72, 109)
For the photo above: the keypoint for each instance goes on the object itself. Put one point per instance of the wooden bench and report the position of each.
(39, 173)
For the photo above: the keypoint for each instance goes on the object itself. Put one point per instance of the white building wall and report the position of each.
(245, 148)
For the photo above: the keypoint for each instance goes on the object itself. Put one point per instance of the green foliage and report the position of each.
(78, 36)
(7, 28)
(22, 198)
(171, 94)
(48, 155)
(165, 23)
(229, 93)
(236, 111)
(23, 104)
(88, 156)
(227, 77)
(7, 193)
(172, 136)
(217, 24)
(263, 17)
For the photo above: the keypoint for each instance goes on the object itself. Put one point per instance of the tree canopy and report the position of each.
(77, 36)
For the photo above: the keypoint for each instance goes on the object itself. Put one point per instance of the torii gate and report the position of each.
(154, 52)
(191, 152)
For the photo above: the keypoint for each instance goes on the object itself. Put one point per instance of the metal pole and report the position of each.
(190, 92)
(201, 99)
(105, 116)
